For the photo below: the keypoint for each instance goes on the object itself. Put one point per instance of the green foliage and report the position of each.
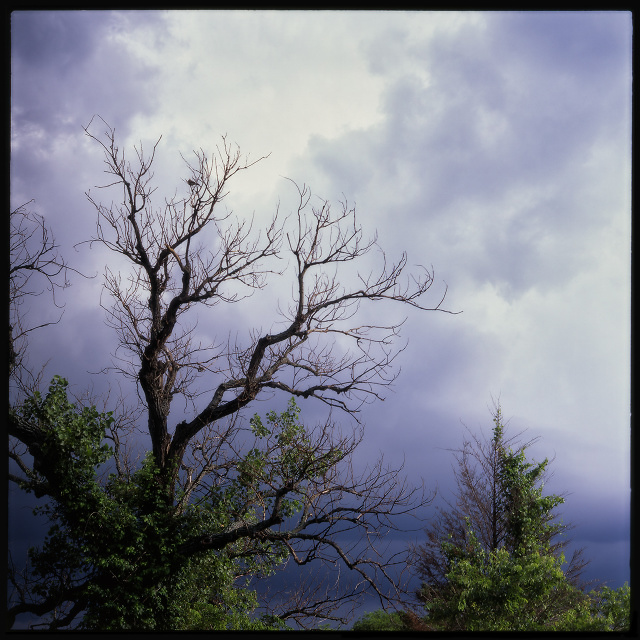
(114, 546)
(296, 456)
(204, 599)
(137, 557)
(284, 455)
(610, 609)
(71, 446)
(519, 585)
(603, 609)
(527, 511)
(288, 458)
(498, 590)
(380, 620)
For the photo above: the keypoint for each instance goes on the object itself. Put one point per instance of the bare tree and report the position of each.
(186, 256)
(172, 273)
(35, 265)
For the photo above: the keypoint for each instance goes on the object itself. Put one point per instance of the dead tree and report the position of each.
(172, 273)
(188, 257)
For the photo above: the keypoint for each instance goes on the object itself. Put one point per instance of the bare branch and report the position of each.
(35, 266)
(187, 257)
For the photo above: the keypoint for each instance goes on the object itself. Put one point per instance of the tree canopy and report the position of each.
(114, 549)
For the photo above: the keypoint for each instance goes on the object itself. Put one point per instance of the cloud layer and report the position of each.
(493, 146)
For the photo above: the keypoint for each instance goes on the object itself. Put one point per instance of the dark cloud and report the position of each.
(591, 42)
(68, 66)
(482, 164)
(54, 39)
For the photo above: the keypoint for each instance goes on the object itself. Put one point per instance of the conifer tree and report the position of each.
(494, 561)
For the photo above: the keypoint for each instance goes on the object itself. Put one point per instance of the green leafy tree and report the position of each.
(114, 547)
(610, 609)
(381, 621)
(397, 621)
(501, 591)
(117, 557)
(479, 497)
(212, 484)
(493, 562)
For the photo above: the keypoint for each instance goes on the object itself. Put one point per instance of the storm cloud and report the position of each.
(494, 147)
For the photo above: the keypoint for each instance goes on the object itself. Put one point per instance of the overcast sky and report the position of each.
(494, 146)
